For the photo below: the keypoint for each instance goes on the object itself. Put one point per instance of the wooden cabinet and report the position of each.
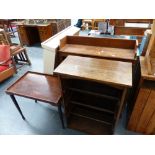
(143, 114)
(94, 95)
(31, 34)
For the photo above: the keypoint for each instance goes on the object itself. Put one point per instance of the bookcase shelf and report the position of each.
(91, 102)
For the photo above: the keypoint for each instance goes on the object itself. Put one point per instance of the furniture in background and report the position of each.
(51, 46)
(7, 65)
(92, 24)
(94, 92)
(59, 25)
(37, 86)
(31, 33)
(6, 24)
(17, 51)
(143, 113)
(142, 118)
(121, 22)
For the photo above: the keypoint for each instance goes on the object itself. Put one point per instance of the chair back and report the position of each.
(4, 53)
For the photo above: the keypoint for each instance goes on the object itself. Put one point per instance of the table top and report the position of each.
(97, 51)
(38, 86)
(100, 70)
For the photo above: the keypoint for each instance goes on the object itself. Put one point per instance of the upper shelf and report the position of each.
(117, 49)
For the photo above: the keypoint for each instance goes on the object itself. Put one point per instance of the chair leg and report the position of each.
(61, 115)
(27, 58)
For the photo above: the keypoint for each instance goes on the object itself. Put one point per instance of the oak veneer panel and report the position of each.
(96, 51)
(100, 70)
(147, 113)
(138, 108)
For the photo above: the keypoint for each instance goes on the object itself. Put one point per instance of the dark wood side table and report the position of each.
(37, 86)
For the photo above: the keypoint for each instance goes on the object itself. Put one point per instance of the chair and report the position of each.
(7, 65)
(7, 25)
(17, 51)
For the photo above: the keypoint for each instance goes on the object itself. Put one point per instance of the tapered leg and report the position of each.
(61, 115)
(17, 106)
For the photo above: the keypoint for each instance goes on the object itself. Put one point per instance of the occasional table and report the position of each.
(37, 86)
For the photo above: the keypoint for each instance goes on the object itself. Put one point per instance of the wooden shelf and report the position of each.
(89, 126)
(92, 107)
(94, 88)
(92, 114)
(94, 102)
(110, 48)
(93, 93)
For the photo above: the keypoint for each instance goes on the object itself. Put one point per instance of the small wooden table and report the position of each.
(37, 86)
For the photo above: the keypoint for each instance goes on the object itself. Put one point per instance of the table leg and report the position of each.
(17, 106)
(61, 115)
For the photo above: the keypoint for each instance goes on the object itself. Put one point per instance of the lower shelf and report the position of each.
(89, 126)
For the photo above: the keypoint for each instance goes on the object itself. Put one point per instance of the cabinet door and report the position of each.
(45, 32)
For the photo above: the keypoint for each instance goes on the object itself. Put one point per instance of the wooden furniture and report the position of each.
(18, 52)
(142, 117)
(121, 30)
(91, 23)
(7, 25)
(30, 34)
(37, 86)
(117, 22)
(94, 92)
(107, 48)
(143, 114)
(150, 54)
(121, 22)
(7, 66)
(150, 21)
(131, 31)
